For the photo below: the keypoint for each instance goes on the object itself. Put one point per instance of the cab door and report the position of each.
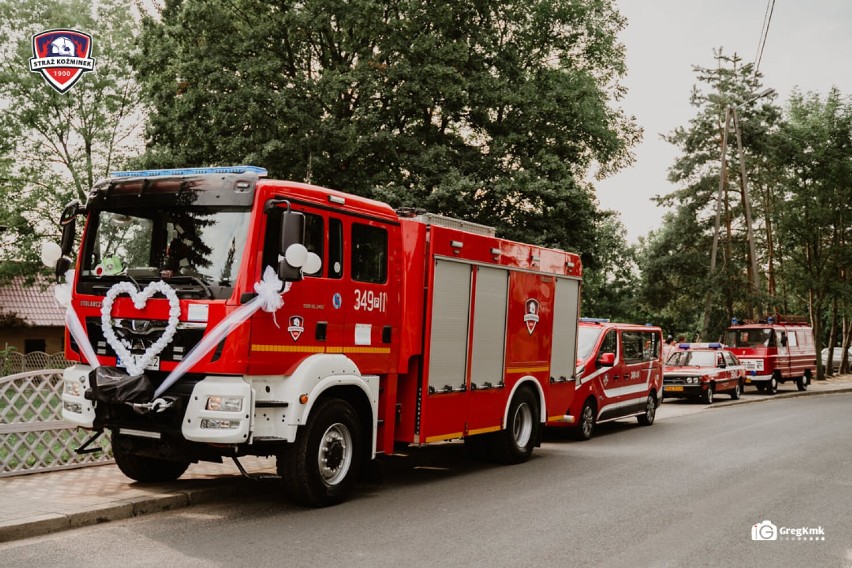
(311, 319)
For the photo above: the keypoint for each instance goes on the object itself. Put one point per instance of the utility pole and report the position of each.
(753, 274)
(723, 178)
(731, 110)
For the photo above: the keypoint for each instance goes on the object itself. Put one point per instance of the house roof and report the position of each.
(35, 304)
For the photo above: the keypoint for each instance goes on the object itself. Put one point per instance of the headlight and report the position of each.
(224, 403)
(73, 407)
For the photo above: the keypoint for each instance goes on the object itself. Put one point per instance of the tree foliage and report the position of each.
(53, 146)
(490, 110)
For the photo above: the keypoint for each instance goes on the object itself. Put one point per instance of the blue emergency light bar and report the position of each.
(714, 345)
(261, 172)
(595, 320)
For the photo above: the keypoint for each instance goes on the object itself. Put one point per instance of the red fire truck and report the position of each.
(774, 350)
(406, 328)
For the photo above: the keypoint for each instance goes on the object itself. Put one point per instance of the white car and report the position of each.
(835, 358)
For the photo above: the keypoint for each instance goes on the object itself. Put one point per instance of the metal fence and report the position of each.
(33, 436)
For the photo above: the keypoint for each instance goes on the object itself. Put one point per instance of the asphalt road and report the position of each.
(683, 492)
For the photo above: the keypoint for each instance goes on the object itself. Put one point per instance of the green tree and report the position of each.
(610, 287)
(59, 144)
(814, 148)
(491, 110)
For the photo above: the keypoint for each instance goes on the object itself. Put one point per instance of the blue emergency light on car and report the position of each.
(735, 321)
(261, 172)
(595, 320)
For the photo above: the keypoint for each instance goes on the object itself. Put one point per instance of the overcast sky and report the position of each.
(809, 46)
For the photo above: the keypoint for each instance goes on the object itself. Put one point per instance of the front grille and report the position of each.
(183, 340)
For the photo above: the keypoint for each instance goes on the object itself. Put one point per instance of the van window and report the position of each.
(792, 338)
(640, 346)
(609, 344)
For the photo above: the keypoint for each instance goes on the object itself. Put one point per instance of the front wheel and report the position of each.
(707, 396)
(772, 386)
(144, 468)
(515, 443)
(586, 427)
(647, 418)
(320, 468)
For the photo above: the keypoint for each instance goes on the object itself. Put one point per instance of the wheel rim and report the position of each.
(335, 454)
(710, 394)
(522, 425)
(588, 420)
(650, 409)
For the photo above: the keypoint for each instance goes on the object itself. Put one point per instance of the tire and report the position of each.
(735, 394)
(143, 468)
(515, 443)
(586, 427)
(320, 467)
(647, 418)
(772, 385)
(707, 396)
(803, 381)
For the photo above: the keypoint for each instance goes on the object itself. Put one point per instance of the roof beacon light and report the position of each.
(260, 172)
(595, 320)
(770, 320)
(735, 321)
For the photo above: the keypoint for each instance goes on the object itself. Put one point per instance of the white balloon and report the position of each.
(312, 264)
(296, 255)
(50, 253)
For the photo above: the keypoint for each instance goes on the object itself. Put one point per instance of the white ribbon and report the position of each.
(62, 293)
(268, 299)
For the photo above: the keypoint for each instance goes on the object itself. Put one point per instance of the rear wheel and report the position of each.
(320, 468)
(515, 443)
(735, 394)
(647, 418)
(803, 381)
(144, 468)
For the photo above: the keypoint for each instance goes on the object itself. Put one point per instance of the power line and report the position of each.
(764, 32)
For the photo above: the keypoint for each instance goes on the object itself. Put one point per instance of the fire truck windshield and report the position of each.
(197, 250)
(753, 337)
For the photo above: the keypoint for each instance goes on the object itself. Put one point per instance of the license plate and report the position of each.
(154, 365)
(673, 389)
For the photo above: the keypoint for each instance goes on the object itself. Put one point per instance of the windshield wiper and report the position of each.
(200, 281)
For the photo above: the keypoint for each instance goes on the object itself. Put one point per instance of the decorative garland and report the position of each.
(140, 299)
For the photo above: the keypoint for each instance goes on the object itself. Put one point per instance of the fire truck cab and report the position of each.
(774, 350)
(396, 328)
(619, 375)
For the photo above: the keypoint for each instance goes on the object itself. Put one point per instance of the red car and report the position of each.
(702, 370)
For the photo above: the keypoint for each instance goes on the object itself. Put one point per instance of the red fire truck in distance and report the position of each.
(619, 375)
(413, 329)
(774, 350)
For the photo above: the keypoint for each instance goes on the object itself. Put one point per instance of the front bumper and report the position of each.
(683, 391)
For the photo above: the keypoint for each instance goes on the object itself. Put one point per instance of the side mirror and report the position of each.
(606, 360)
(68, 222)
(292, 232)
(62, 266)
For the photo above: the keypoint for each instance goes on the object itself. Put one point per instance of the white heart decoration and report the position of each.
(140, 299)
